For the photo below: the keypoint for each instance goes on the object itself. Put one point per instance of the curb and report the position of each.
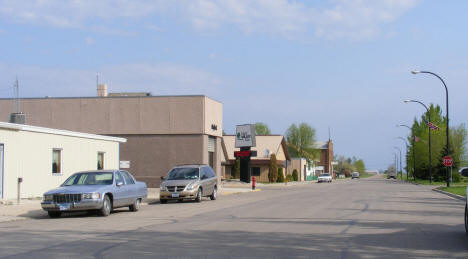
(455, 196)
(230, 193)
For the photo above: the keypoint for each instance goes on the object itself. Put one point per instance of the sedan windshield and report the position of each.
(92, 178)
(183, 174)
(324, 175)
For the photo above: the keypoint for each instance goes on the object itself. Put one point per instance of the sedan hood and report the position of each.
(178, 182)
(77, 189)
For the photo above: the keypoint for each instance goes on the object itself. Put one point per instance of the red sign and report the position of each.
(242, 153)
(432, 126)
(448, 161)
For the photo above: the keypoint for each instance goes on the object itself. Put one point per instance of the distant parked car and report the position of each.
(324, 178)
(102, 190)
(463, 171)
(189, 182)
(355, 175)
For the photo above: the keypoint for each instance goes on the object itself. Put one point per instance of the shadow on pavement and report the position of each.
(151, 243)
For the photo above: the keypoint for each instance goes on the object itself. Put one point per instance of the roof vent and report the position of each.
(102, 90)
(17, 117)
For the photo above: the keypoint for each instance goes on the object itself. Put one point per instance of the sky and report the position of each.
(338, 64)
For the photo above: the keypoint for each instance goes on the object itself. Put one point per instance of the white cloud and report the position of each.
(160, 79)
(353, 19)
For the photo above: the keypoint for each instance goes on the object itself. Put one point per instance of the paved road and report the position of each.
(366, 218)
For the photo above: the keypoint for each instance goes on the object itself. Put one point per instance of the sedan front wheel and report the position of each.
(106, 207)
(199, 196)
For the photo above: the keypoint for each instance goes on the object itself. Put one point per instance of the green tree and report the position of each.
(280, 175)
(360, 166)
(300, 140)
(438, 145)
(236, 169)
(273, 172)
(262, 129)
(295, 176)
(345, 166)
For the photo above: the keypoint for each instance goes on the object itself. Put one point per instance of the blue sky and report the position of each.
(339, 64)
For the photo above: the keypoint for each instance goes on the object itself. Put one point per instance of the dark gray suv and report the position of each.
(189, 182)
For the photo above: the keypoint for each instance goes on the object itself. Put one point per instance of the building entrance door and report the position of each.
(1, 171)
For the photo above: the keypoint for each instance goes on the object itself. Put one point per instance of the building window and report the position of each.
(211, 151)
(100, 160)
(255, 171)
(56, 161)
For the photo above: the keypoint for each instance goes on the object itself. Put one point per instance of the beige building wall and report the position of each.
(162, 131)
(29, 155)
(118, 115)
(213, 117)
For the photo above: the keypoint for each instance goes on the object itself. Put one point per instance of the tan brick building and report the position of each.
(161, 131)
(266, 145)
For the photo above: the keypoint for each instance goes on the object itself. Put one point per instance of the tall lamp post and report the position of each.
(414, 156)
(447, 115)
(406, 143)
(401, 170)
(429, 117)
(396, 162)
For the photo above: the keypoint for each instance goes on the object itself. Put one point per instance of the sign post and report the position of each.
(245, 139)
(448, 162)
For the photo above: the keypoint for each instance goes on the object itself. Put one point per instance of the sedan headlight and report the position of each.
(48, 197)
(163, 188)
(192, 186)
(91, 196)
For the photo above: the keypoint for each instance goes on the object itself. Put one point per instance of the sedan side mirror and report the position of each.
(162, 178)
(119, 184)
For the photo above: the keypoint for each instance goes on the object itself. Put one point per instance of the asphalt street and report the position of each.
(363, 218)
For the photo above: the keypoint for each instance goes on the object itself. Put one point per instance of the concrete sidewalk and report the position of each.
(31, 208)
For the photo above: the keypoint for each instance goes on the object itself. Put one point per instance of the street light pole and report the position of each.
(414, 156)
(406, 143)
(429, 117)
(447, 116)
(401, 169)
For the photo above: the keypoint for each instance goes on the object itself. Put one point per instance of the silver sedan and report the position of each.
(101, 191)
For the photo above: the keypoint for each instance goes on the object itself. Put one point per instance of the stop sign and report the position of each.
(448, 161)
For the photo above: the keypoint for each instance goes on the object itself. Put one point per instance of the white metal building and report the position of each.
(44, 158)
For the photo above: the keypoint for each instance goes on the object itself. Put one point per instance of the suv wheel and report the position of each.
(213, 195)
(199, 195)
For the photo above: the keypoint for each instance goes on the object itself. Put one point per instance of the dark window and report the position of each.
(118, 178)
(210, 172)
(128, 178)
(204, 173)
(255, 171)
(100, 160)
(91, 178)
(183, 173)
(464, 172)
(56, 161)
(211, 158)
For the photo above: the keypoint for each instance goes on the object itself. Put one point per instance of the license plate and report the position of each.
(175, 195)
(64, 206)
